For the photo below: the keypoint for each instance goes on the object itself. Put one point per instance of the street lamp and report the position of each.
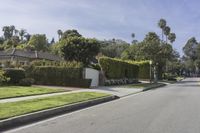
(150, 63)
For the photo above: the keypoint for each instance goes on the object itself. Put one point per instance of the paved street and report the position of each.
(171, 109)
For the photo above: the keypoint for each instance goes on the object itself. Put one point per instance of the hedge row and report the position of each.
(72, 64)
(144, 69)
(118, 69)
(62, 76)
(14, 75)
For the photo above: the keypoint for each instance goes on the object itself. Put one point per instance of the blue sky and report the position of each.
(104, 19)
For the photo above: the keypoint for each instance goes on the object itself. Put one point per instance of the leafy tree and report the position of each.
(6, 32)
(38, 42)
(113, 48)
(70, 33)
(78, 49)
(190, 48)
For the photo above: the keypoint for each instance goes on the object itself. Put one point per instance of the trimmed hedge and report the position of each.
(62, 76)
(118, 69)
(15, 75)
(144, 69)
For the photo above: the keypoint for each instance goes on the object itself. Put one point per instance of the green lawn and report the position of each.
(18, 91)
(142, 85)
(12, 109)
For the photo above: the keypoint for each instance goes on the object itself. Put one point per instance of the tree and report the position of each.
(134, 40)
(113, 48)
(167, 32)
(172, 37)
(38, 42)
(27, 36)
(22, 32)
(162, 24)
(60, 33)
(6, 32)
(70, 33)
(190, 48)
(78, 49)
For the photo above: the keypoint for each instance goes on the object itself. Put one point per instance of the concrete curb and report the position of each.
(154, 87)
(36, 116)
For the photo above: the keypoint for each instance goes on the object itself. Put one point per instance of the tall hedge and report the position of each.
(14, 74)
(52, 75)
(144, 69)
(118, 69)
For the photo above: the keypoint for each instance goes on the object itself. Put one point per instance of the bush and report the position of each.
(26, 82)
(118, 69)
(15, 75)
(3, 78)
(72, 64)
(144, 69)
(62, 76)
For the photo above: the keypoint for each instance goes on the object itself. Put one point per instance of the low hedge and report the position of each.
(118, 69)
(15, 75)
(62, 76)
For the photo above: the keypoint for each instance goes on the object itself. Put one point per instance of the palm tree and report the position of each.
(172, 37)
(167, 32)
(133, 36)
(162, 24)
(59, 34)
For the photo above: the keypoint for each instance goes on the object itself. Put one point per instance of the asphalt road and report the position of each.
(171, 109)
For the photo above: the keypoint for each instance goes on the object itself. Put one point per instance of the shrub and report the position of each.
(26, 82)
(72, 64)
(14, 74)
(118, 69)
(3, 78)
(62, 76)
(144, 69)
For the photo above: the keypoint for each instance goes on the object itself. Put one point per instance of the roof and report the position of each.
(29, 54)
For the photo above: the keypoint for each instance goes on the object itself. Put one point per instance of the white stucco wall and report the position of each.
(92, 74)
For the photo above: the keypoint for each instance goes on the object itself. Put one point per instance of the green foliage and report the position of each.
(62, 76)
(72, 64)
(15, 75)
(118, 69)
(113, 48)
(78, 49)
(144, 69)
(26, 82)
(3, 77)
(38, 42)
(70, 33)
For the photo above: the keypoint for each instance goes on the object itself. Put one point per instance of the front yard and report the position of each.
(18, 91)
(12, 109)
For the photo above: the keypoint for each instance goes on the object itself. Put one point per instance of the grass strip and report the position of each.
(143, 85)
(8, 110)
(19, 91)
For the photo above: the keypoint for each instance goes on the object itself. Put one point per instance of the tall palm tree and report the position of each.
(59, 34)
(167, 32)
(134, 40)
(162, 24)
(172, 37)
